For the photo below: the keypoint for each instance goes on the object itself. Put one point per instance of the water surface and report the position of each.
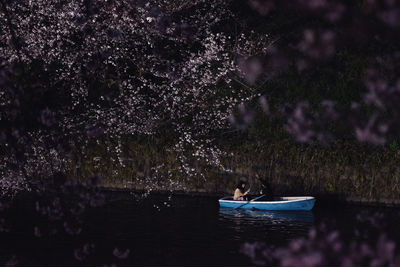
(170, 231)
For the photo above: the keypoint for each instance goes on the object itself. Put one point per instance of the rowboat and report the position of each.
(282, 203)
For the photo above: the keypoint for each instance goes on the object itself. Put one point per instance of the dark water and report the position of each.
(170, 231)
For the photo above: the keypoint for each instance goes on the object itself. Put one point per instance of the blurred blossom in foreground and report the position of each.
(321, 248)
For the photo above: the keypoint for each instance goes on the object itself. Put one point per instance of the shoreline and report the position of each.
(326, 199)
(342, 173)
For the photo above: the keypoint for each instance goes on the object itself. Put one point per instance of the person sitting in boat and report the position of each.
(239, 192)
(266, 189)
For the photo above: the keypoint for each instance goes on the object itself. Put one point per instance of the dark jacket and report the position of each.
(266, 189)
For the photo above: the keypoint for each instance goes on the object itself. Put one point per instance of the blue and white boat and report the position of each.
(282, 203)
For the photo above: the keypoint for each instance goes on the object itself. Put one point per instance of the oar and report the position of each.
(249, 201)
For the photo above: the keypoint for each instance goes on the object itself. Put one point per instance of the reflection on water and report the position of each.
(303, 217)
(271, 227)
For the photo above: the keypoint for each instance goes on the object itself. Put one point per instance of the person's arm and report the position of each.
(245, 193)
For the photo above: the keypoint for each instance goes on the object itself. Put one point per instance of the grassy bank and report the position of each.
(349, 172)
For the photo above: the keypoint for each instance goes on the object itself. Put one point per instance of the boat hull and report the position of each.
(285, 203)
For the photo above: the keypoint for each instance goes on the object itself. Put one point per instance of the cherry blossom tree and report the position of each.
(114, 69)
